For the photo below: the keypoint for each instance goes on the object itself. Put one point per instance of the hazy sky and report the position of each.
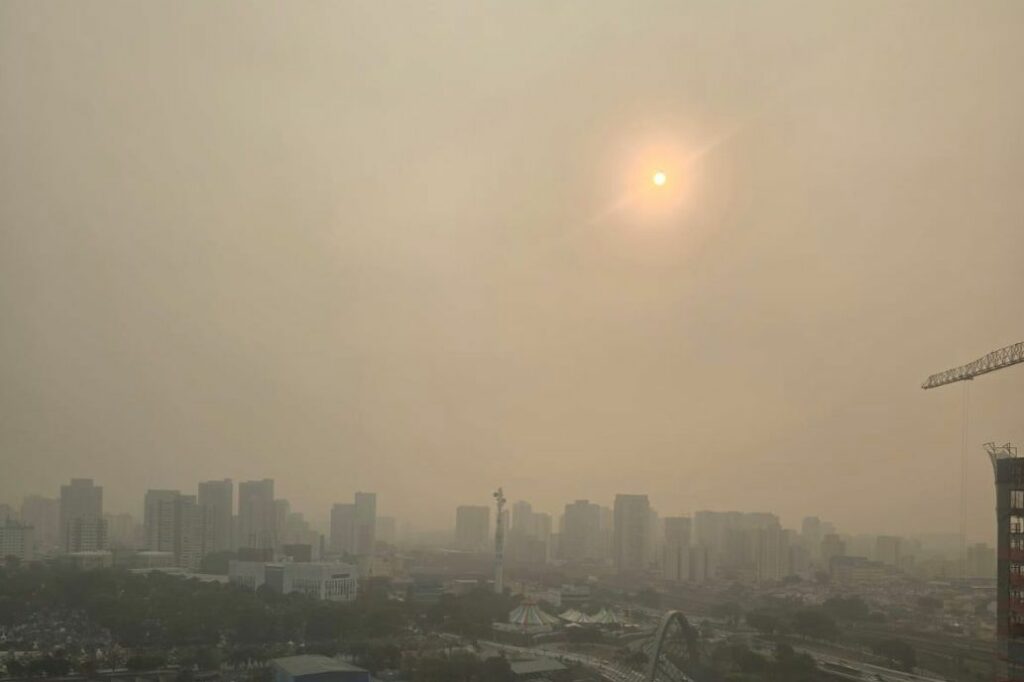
(402, 247)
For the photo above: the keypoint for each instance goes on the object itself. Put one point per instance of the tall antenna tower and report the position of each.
(499, 543)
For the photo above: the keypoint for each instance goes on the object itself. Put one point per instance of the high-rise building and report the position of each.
(158, 520)
(217, 498)
(16, 540)
(715, 531)
(811, 534)
(257, 514)
(193, 529)
(676, 563)
(522, 518)
(1008, 468)
(85, 534)
(387, 529)
(887, 549)
(121, 530)
(542, 533)
(981, 561)
(581, 533)
(354, 526)
(832, 546)
(43, 514)
(177, 524)
(472, 528)
(282, 509)
(749, 546)
(529, 537)
(298, 531)
(81, 516)
(630, 541)
(343, 529)
(365, 523)
(769, 549)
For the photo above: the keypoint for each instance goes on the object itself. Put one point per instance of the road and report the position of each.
(608, 670)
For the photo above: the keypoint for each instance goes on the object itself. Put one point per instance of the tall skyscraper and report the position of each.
(630, 541)
(282, 510)
(888, 549)
(522, 519)
(43, 514)
(298, 531)
(1008, 468)
(257, 514)
(832, 546)
(177, 524)
(81, 516)
(343, 529)
(354, 526)
(158, 520)
(191, 532)
(581, 531)
(472, 528)
(365, 523)
(676, 562)
(217, 499)
(121, 530)
(16, 540)
(811, 534)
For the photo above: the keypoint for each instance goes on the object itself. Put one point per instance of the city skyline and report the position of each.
(603, 514)
(326, 287)
(498, 341)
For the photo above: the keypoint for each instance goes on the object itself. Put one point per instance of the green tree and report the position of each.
(814, 622)
(897, 652)
(846, 608)
(764, 621)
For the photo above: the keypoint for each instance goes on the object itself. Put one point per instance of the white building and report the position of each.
(91, 559)
(327, 580)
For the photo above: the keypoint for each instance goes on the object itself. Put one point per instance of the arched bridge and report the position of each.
(672, 645)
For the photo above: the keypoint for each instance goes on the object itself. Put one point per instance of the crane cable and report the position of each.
(963, 478)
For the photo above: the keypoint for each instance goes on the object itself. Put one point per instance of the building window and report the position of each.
(1016, 524)
(1017, 499)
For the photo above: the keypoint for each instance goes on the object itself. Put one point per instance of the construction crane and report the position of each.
(997, 359)
(1008, 471)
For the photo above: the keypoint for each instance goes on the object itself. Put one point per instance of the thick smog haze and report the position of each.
(416, 249)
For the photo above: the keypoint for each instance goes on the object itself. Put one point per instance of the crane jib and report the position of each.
(1004, 357)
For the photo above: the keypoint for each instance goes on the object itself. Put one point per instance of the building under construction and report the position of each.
(1009, 473)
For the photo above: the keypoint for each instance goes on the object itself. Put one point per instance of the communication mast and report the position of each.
(499, 543)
